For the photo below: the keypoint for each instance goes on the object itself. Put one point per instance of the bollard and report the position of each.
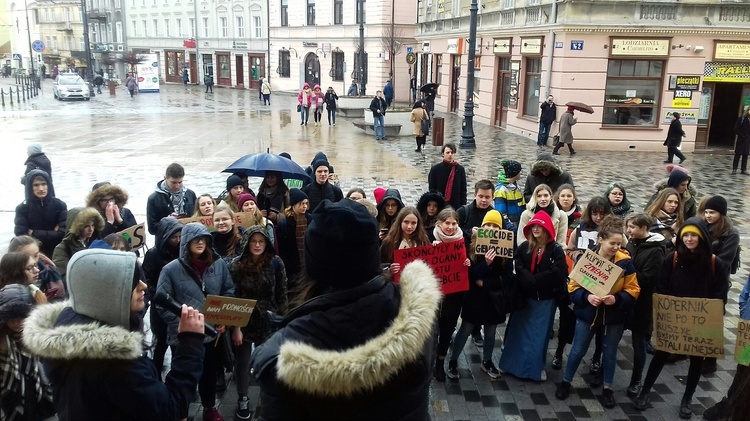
(23, 93)
(18, 95)
(10, 90)
(2, 97)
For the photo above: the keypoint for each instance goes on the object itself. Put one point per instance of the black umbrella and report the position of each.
(429, 88)
(256, 165)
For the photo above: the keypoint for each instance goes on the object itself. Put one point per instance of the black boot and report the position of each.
(717, 411)
(642, 402)
(440, 369)
(686, 412)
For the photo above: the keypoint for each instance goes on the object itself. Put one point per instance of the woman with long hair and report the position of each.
(429, 206)
(258, 274)
(542, 200)
(418, 114)
(20, 268)
(227, 237)
(406, 232)
(291, 237)
(273, 196)
(692, 270)
(235, 187)
(388, 208)
(84, 226)
(666, 209)
(204, 206)
(585, 235)
(249, 205)
(50, 281)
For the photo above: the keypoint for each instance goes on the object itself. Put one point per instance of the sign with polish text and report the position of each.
(689, 326)
(445, 259)
(742, 347)
(500, 240)
(595, 274)
(243, 219)
(135, 235)
(227, 311)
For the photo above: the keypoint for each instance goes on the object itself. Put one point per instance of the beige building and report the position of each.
(633, 62)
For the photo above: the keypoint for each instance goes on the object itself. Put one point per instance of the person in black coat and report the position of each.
(41, 215)
(92, 346)
(689, 271)
(110, 201)
(331, 99)
(321, 189)
(545, 171)
(378, 106)
(290, 236)
(440, 174)
(171, 197)
(742, 147)
(674, 139)
(359, 346)
(37, 160)
(546, 118)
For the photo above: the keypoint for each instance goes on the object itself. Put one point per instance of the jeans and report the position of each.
(305, 114)
(331, 116)
(267, 99)
(581, 342)
(543, 133)
(463, 334)
(98, 89)
(379, 121)
(242, 366)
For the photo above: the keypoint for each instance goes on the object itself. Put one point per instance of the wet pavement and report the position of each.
(130, 141)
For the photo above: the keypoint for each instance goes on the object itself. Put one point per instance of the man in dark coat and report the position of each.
(321, 188)
(471, 215)
(388, 93)
(41, 215)
(546, 118)
(37, 160)
(362, 347)
(378, 106)
(742, 147)
(449, 178)
(674, 139)
(545, 171)
(170, 198)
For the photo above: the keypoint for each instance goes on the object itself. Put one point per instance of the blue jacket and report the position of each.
(184, 285)
(744, 298)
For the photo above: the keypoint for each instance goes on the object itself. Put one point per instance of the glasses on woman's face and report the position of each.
(199, 240)
(31, 268)
(105, 199)
(616, 194)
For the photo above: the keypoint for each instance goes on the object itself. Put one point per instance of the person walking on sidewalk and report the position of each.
(98, 81)
(378, 106)
(548, 116)
(388, 93)
(418, 115)
(742, 147)
(304, 98)
(185, 77)
(132, 84)
(265, 89)
(566, 131)
(674, 139)
(331, 100)
(208, 80)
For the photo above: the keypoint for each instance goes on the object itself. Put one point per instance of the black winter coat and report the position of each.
(675, 133)
(317, 193)
(549, 280)
(286, 239)
(470, 216)
(159, 205)
(647, 256)
(38, 161)
(378, 104)
(41, 216)
(549, 112)
(497, 283)
(437, 181)
(742, 130)
(158, 256)
(693, 278)
(330, 100)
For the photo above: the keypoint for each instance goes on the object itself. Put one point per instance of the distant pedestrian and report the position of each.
(98, 81)
(388, 93)
(185, 76)
(304, 99)
(55, 72)
(353, 89)
(413, 87)
(742, 147)
(265, 89)
(41, 215)
(449, 178)
(378, 106)
(546, 118)
(208, 80)
(317, 105)
(332, 101)
(566, 131)
(418, 115)
(43, 71)
(131, 83)
(429, 98)
(674, 139)
(37, 160)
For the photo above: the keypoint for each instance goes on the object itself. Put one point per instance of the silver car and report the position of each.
(70, 87)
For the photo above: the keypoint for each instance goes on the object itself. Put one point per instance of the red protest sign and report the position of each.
(445, 259)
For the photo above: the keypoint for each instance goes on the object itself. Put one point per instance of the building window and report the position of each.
(156, 27)
(145, 28)
(257, 27)
(118, 31)
(631, 97)
(533, 85)
(361, 6)
(223, 26)
(357, 68)
(191, 23)
(284, 63)
(338, 12)
(509, 4)
(205, 27)
(284, 12)
(311, 12)
(167, 32)
(153, 2)
(337, 66)
(178, 27)
(134, 27)
(240, 26)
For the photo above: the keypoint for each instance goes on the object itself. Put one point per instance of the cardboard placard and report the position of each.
(501, 241)
(742, 348)
(445, 259)
(243, 219)
(595, 274)
(689, 326)
(136, 235)
(227, 311)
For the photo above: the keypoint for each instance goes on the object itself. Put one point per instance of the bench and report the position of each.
(390, 129)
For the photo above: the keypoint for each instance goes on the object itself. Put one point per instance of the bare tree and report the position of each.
(133, 59)
(392, 41)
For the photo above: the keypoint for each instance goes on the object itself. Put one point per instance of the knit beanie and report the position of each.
(296, 196)
(34, 148)
(511, 167)
(691, 229)
(493, 217)
(342, 248)
(16, 302)
(244, 197)
(234, 180)
(378, 193)
(717, 203)
(321, 163)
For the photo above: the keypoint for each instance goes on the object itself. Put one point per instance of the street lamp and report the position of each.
(87, 46)
(467, 137)
(28, 33)
(362, 47)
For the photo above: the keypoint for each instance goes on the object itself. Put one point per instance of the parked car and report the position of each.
(70, 87)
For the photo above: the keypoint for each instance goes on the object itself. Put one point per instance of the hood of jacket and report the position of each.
(346, 372)
(47, 339)
(78, 218)
(543, 219)
(390, 194)
(545, 161)
(29, 184)
(661, 185)
(702, 227)
(109, 190)
(189, 233)
(428, 197)
(255, 229)
(166, 228)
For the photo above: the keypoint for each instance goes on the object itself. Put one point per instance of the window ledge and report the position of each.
(529, 118)
(625, 126)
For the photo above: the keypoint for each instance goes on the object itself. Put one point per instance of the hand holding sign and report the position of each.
(447, 260)
(500, 241)
(596, 274)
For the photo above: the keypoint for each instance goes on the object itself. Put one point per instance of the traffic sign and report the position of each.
(16, 56)
(37, 46)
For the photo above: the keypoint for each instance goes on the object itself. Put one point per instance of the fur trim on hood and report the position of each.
(85, 341)
(78, 221)
(545, 161)
(374, 363)
(428, 197)
(117, 193)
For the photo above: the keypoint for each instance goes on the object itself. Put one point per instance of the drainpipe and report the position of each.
(197, 50)
(550, 48)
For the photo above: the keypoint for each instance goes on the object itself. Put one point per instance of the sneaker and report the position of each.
(634, 390)
(453, 370)
(377, 138)
(243, 408)
(557, 362)
(440, 370)
(489, 368)
(595, 367)
(478, 340)
(563, 391)
(543, 376)
(716, 412)
(211, 414)
(667, 162)
(302, 124)
(608, 398)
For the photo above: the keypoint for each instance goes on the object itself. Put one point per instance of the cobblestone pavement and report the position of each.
(130, 141)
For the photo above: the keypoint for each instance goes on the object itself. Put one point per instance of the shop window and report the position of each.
(631, 97)
(337, 66)
(223, 66)
(532, 86)
(284, 63)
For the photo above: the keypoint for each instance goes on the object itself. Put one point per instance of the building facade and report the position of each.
(108, 35)
(227, 40)
(318, 43)
(634, 63)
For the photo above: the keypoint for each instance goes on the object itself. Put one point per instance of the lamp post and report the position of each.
(361, 48)
(28, 33)
(467, 136)
(87, 48)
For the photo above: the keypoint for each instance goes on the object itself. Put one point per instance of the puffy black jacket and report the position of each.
(41, 215)
(159, 205)
(317, 193)
(158, 256)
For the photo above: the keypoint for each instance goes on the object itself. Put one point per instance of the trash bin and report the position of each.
(438, 131)
(112, 87)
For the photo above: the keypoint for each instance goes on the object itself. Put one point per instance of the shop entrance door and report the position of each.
(239, 71)
(193, 69)
(725, 109)
(501, 104)
(455, 75)
(257, 69)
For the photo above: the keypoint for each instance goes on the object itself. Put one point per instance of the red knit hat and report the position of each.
(379, 193)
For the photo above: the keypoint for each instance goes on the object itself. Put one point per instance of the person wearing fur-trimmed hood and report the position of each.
(361, 346)
(85, 225)
(680, 180)
(110, 201)
(545, 171)
(93, 346)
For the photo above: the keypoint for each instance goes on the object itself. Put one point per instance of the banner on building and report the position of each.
(726, 72)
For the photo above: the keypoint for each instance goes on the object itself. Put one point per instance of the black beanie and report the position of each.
(342, 249)
(511, 168)
(320, 163)
(296, 196)
(234, 180)
(717, 203)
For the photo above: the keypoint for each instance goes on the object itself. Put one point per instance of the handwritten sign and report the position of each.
(227, 311)
(689, 326)
(742, 348)
(596, 274)
(499, 240)
(445, 259)
(135, 235)
(243, 219)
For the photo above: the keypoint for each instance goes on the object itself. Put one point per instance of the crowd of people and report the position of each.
(331, 334)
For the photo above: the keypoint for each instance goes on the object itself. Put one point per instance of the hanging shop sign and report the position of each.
(684, 83)
(714, 71)
(686, 117)
(732, 51)
(531, 46)
(639, 47)
(502, 45)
